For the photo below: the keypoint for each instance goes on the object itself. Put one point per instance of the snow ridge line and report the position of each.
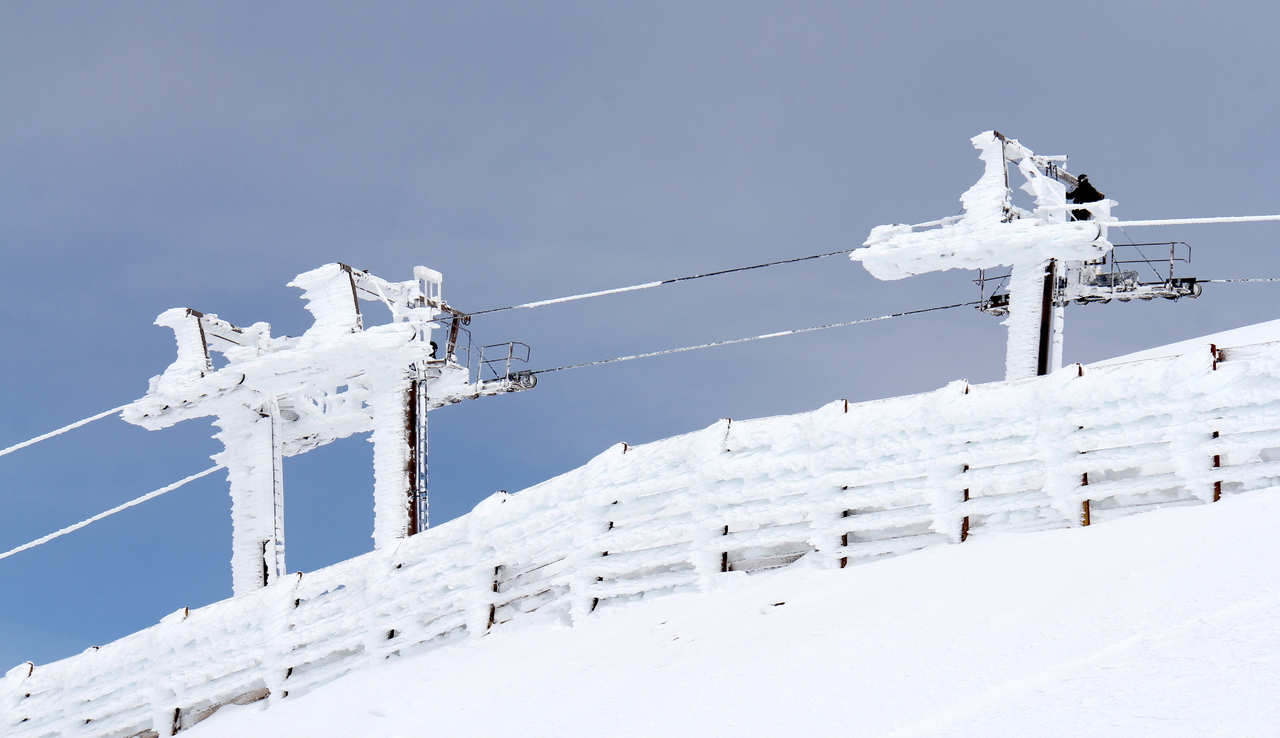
(63, 429)
(135, 501)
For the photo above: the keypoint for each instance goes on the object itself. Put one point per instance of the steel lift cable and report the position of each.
(210, 470)
(63, 429)
(1192, 221)
(206, 472)
(648, 285)
(112, 411)
(1225, 281)
(755, 338)
(112, 511)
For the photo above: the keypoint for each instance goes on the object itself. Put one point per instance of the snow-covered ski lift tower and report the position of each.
(278, 397)
(1053, 258)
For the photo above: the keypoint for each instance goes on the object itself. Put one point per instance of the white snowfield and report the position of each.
(1156, 626)
(461, 630)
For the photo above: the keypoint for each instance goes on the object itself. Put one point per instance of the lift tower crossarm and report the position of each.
(1053, 259)
(993, 232)
(281, 396)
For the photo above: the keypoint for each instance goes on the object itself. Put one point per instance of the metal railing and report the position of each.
(1161, 266)
(496, 359)
(1129, 272)
(993, 294)
(1113, 277)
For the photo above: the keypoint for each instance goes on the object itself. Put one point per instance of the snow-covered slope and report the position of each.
(1245, 335)
(826, 493)
(1162, 624)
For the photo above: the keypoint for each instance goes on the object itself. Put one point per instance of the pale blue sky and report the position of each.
(155, 155)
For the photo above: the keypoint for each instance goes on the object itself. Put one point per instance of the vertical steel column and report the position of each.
(393, 451)
(273, 564)
(252, 451)
(416, 435)
(1029, 349)
(1044, 357)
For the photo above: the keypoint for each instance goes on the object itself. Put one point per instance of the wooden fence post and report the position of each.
(1217, 464)
(1084, 506)
(844, 538)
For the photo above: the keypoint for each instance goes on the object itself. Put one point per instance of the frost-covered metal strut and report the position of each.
(1054, 256)
(1041, 245)
(277, 397)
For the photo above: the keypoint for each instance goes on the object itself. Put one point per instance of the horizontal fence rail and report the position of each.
(842, 485)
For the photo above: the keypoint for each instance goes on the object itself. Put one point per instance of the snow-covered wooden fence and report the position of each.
(843, 484)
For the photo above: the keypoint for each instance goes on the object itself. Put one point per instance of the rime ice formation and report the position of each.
(993, 232)
(900, 251)
(843, 485)
(278, 397)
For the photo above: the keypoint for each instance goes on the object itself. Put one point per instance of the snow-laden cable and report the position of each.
(648, 285)
(1192, 221)
(112, 511)
(756, 338)
(1224, 281)
(63, 429)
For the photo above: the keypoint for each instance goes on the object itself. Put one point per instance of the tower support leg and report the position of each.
(416, 426)
(1034, 322)
(399, 459)
(252, 453)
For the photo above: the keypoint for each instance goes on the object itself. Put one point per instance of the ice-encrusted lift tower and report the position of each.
(278, 397)
(1054, 257)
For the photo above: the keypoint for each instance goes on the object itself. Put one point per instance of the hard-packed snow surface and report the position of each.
(1250, 334)
(1165, 624)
